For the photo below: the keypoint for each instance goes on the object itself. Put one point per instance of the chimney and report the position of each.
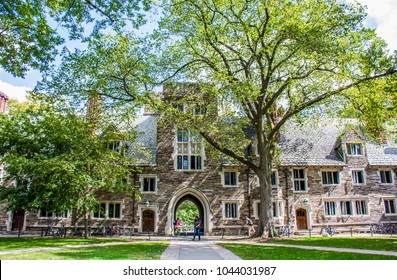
(94, 110)
(3, 102)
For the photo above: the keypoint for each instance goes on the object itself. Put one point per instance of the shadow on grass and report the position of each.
(135, 251)
(256, 252)
(29, 242)
(372, 243)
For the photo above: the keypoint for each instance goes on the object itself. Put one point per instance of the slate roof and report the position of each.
(144, 149)
(381, 155)
(313, 144)
(300, 145)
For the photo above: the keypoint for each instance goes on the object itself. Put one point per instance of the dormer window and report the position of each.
(354, 149)
(189, 150)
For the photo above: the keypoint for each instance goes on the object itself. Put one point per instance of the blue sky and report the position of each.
(381, 15)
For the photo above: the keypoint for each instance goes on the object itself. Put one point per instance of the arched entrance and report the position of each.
(301, 219)
(148, 221)
(199, 199)
(198, 205)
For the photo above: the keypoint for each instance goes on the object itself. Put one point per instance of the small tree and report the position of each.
(57, 162)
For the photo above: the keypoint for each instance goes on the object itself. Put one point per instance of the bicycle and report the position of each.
(329, 230)
(47, 231)
(243, 231)
(284, 231)
(61, 231)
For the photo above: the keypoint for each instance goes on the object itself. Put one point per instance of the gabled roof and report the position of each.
(310, 144)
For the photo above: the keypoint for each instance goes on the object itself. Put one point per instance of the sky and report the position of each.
(381, 15)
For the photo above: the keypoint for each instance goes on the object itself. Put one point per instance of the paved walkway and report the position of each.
(197, 250)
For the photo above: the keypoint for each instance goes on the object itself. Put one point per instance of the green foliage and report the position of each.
(374, 105)
(30, 28)
(112, 66)
(186, 212)
(56, 160)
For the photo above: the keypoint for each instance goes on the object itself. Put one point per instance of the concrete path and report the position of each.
(197, 250)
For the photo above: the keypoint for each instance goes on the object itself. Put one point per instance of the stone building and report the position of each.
(325, 175)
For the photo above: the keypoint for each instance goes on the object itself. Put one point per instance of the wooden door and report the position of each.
(18, 219)
(301, 219)
(148, 221)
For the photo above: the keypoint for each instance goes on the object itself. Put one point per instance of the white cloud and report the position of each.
(15, 92)
(383, 12)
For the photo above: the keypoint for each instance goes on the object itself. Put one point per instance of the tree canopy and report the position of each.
(31, 30)
(263, 62)
(56, 161)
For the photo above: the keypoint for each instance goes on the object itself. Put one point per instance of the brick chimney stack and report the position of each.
(3, 102)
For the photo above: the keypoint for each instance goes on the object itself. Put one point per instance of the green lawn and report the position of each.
(368, 243)
(131, 251)
(256, 252)
(28, 242)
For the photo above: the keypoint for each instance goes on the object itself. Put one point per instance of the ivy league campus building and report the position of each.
(325, 175)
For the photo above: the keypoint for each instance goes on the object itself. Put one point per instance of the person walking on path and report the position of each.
(250, 225)
(197, 224)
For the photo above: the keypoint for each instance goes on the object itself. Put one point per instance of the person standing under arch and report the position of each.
(197, 224)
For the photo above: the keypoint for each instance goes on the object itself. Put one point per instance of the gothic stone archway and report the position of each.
(199, 206)
(197, 198)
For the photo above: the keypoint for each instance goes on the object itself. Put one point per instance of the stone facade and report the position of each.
(325, 176)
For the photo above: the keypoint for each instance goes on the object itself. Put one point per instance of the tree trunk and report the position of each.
(86, 236)
(266, 214)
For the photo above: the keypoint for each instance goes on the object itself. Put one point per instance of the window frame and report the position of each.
(223, 177)
(330, 205)
(150, 177)
(304, 180)
(391, 176)
(53, 214)
(180, 154)
(106, 214)
(355, 145)
(276, 179)
(353, 206)
(327, 177)
(363, 177)
(394, 201)
(225, 211)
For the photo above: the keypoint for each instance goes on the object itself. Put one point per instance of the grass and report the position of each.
(383, 244)
(257, 252)
(131, 251)
(28, 242)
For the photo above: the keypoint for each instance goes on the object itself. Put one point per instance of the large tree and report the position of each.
(57, 162)
(272, 60)
(31, 30)
(262, 62)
